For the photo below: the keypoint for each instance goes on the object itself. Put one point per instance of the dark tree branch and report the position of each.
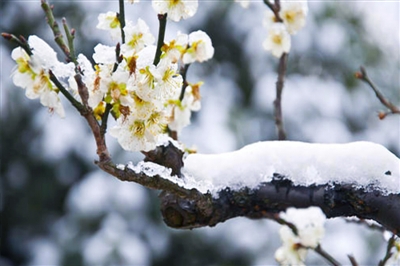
(273, 197)
(352, 260)
(162, 18)
(326, 256)
(393, 109)
(278, 101)
(87, 113)
(121, 18)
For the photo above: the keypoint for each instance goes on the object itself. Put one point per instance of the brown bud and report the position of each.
(358, 75)
(382, 115)
(6, 36)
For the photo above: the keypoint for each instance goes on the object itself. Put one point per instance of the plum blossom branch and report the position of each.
(278, 100)
(87, 113)
(64, 91)
(275, 9)
(21, 41)
(183, 72)
(70, 37)
(121, 18)
(319, 250)
(352, 260)
(393, 109)
(162, 18)
(58, 37)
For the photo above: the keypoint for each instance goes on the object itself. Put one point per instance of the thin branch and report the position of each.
(58, 37)
(183, 72)
(162, 18)
(352, 260)
(64, 91)
(362, 75)
(277, 103)
(21, 41)
(388, 254)
(104, 119)
(275, 8)
(87, 112)
(281, 221)
(121, 18)
(70, 37)
(326, 256)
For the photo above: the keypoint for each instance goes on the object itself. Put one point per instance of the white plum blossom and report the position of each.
(175, 48)
(135, 134)
(290, 253)
(200, 48)
(182, 110)
(170, 82)
(33, 73)
(176, 9)
(278, 40)
(293, 15)
(110, 22)
(310, 230)
(136, 37)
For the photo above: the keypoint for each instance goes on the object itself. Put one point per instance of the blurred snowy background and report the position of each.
(57, 208)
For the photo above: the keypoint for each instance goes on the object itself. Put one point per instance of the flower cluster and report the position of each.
(33, 73)
(144, 98)
(309, 224)
(293, 15)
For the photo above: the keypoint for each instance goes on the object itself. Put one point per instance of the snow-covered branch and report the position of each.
(355, 179)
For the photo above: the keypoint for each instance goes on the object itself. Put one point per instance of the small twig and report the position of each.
(275, 8)
(21, 41)
(277, 103)
(87, 113)
(121, 18)
(388, 251)
(162, 18)
(326, 256)
(64, 91)
(70, 37)
(352, 260)
(82, 90)
(104, 119)
(183, 72)
(362, 75)
(58, 37)
(279, 220)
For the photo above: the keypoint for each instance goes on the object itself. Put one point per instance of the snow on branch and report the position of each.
(356, 179)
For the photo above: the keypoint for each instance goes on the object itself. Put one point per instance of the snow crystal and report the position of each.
(359, 163)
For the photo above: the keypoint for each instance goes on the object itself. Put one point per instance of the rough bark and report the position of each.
(186, 209)
(270, 198)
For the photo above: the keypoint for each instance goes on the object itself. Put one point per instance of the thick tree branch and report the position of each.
(273, 197)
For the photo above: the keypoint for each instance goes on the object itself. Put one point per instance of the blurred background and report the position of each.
(57, 208)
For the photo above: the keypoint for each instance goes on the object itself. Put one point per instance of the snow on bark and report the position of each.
(363, 164)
